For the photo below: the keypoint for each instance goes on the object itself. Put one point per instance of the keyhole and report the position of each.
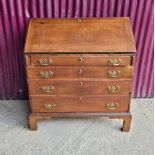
(80, 83)
(80, 99)
(80, 71)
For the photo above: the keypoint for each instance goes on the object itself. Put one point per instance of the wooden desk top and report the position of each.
(85, 35)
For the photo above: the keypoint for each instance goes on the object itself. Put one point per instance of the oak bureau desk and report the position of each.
(79, 68)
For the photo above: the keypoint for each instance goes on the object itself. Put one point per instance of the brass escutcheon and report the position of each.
(114, 62)
(45, 62)
(80, 59)
(49, 106)
(112, 105)
(113, 88)
(79, 20)
(80, 99)
(80, 71)
(46, 74)
(114, 74)
(80, 83)
(47, 89)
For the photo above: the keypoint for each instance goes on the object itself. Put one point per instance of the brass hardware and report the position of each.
(47, 89)
(46, 74)
(80, 99)
(113, 88)
(80, 83)
(49, 106)
(80, 59)
(114, 62)
(113, 74)
(112, 105)
(79, 20)
(45, 62)
(80, 71)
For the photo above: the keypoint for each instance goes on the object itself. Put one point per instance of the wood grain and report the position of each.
(80, 104)
(74, 87)
(100, 60)
(89, 35)
(80, 72)
(91, 66)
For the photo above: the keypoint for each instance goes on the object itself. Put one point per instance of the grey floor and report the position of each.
(75, 136)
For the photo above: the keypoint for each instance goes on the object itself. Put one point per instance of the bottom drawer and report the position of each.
(80, 104)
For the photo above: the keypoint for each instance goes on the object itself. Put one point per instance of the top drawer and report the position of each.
(78, 60)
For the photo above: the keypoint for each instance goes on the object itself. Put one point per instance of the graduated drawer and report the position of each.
(79, 60)
(80, 103)
(79, 72)
(79, 87)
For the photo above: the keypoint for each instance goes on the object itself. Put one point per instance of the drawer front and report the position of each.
(80, 104)
(79, 60)
(80, 72)
(79, 87)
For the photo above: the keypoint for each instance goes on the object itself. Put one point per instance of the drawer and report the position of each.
(79, 72)
(80, 103)
(79, 60)
(79, 87)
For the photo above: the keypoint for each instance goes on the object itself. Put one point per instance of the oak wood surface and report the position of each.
(89, 35)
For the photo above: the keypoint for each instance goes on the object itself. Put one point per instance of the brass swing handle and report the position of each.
(47, 89)
(113, 88)
(46, 74)
(114, 74)
(112, 105)
(79, 20)
(45, 62)
(48, 106)
(114, 62)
